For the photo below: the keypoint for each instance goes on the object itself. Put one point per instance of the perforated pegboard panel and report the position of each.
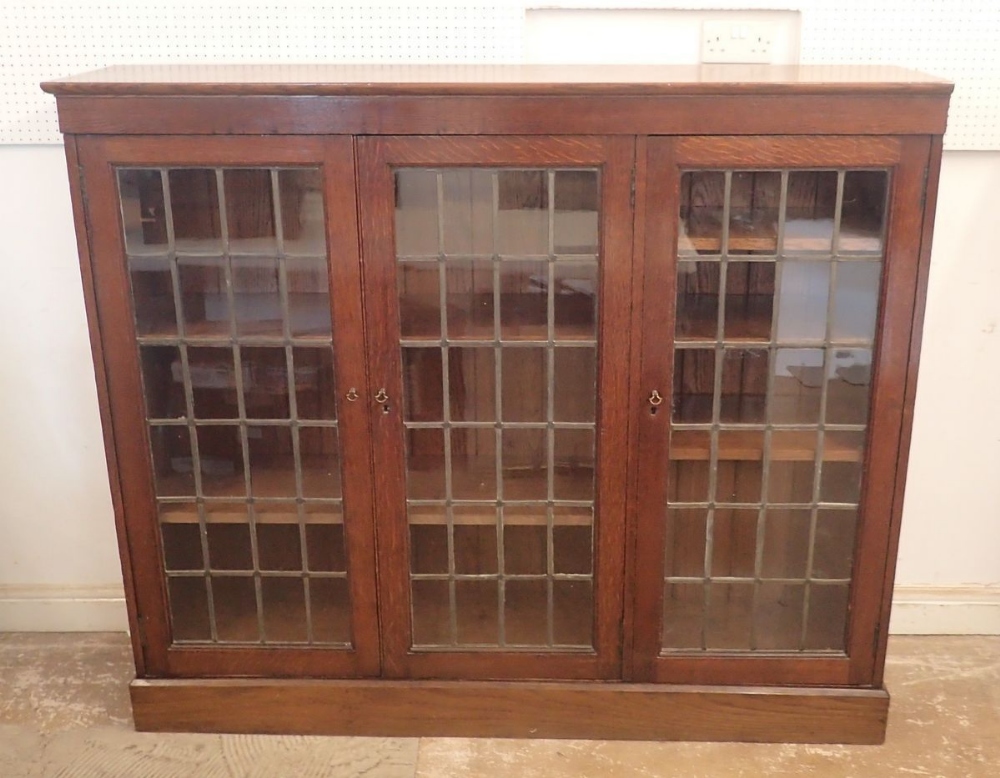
(44, 40)
(956, 39)
(41, 40)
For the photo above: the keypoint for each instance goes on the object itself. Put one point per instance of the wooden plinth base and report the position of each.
(522, 710)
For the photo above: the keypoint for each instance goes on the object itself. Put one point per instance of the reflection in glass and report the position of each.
(303, 221)
(743, 394)
(272, 461)
(524, 301)
(284, 601)
(754, 201)
(797, 386)
(231, 365)
(575, 384)
(153, 296)
(864, 210)
(144, 220)
(802, 306)
(575, 218)
(416, 212)
(697, 300)
(734, 536)
(497, 286)
(162, 381)
(212, 375)
(468, 211)
(173, 468)
(770, 401)
(469, 299)
(204, 302)
(257, 297)
(250, 210)
(856, 301)
(315, 390)
(810, 211)
(308, 298)
(523, 370)
(522, 212)
(419, 300)
(703, 195)
(189, 619)
(575, 301)
(694, 385)
(749, 300)
(235, 602)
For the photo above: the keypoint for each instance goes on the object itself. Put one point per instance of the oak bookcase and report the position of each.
(517, 401)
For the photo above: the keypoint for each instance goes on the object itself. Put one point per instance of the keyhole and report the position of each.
(653, 409)
(385, 408)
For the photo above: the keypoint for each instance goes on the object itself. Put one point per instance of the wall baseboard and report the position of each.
(945, 610)
(916, 610)
(62, 609)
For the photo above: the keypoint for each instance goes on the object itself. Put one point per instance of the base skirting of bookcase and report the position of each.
(512, 709)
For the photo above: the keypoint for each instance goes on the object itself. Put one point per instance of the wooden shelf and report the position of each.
(486, 516)
(422, 515)
(851, 240)
(216, 333)
(186, 513)
(748, 321)
(786, 446)
(522, 320)
(426, 482)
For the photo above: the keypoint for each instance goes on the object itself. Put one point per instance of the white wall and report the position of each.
(57, 542)
(58, 559)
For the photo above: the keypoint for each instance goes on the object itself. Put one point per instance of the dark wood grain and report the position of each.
(655, 370)
(811, 117)
(640, 217)
(933, 177)
(519, 710)
(787, 151)
(83, 242)
(878, 531)
(673, 114)
(344, 252)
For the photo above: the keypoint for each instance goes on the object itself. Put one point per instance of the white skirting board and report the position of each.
(916, 610)
(62, 609)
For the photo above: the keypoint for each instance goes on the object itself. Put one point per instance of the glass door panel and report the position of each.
(504, 285)
(497, 285)
(230, 292)
(778, 283)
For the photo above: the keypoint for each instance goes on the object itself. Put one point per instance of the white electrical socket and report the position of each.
(735, 41)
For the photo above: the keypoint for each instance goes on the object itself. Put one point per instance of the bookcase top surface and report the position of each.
(421, 79)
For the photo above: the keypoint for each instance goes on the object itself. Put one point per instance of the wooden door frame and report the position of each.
(377, 156)
(109, 310)
(878, 528)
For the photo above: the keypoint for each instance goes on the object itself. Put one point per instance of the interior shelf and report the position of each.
(747, 445)
(854, 240)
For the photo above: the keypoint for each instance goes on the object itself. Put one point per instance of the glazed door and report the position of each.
(497, 280)
(779, 282)
(233, 389)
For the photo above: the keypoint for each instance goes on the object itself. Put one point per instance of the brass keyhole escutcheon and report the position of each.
(654, 401)
(382, 397)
